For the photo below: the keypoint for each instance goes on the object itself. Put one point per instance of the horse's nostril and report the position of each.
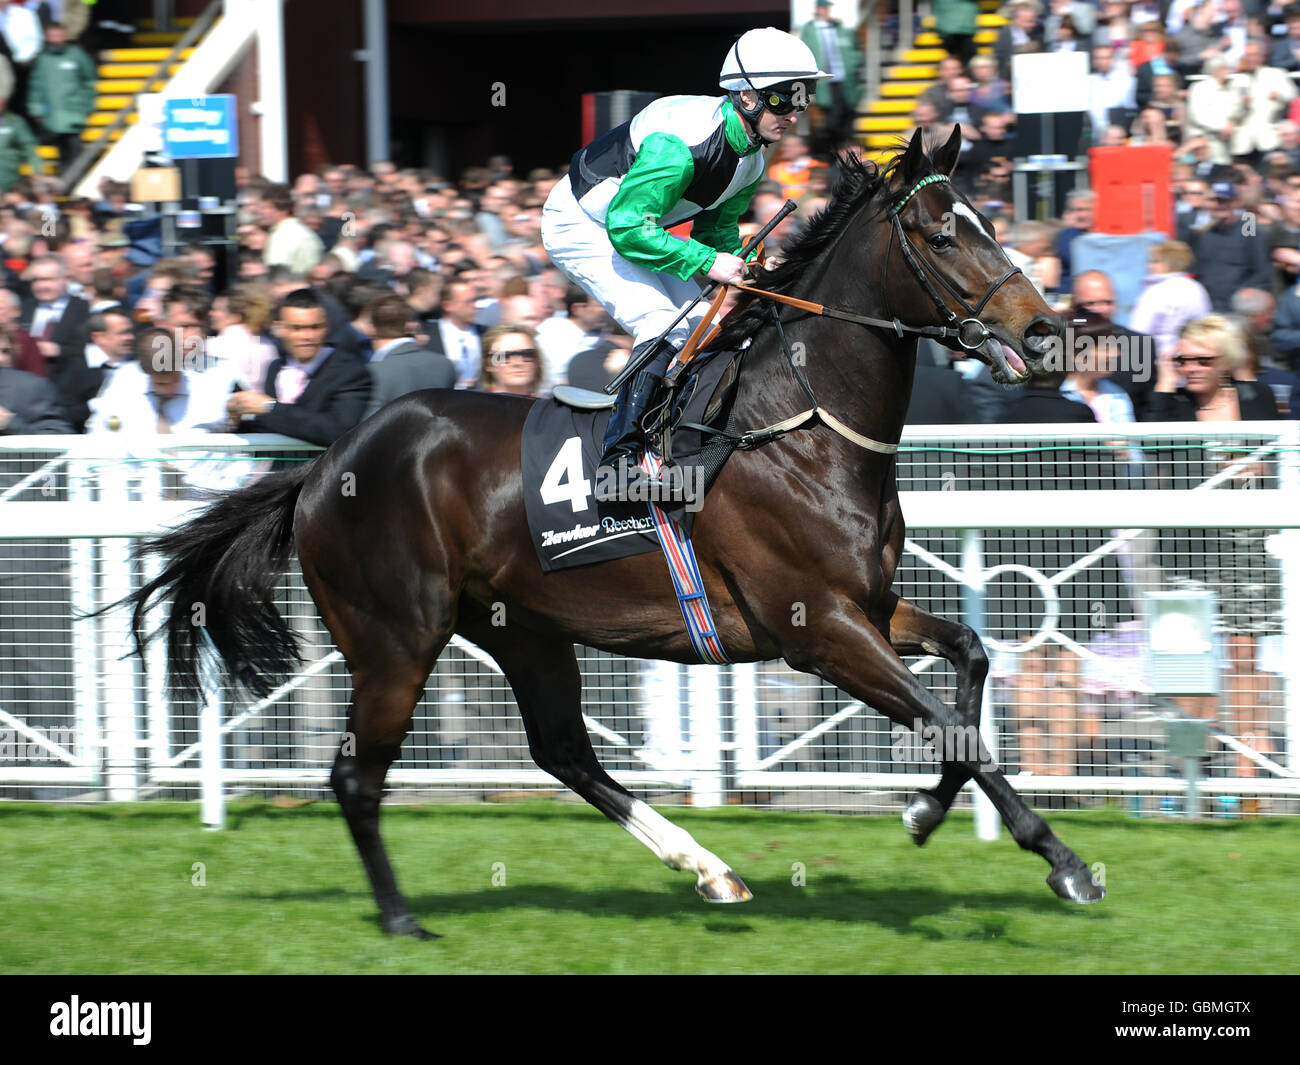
(1045, 327)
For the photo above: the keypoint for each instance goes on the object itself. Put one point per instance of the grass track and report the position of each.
(109, 890)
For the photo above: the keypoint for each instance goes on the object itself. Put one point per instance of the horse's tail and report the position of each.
(219, 576)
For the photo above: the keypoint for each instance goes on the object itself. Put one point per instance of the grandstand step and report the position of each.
(886, 140)
(93, 133)
(48, 151)
(933, 40)
(114, 103)
(911, 73)
(922, 55)
(119, 86)
(140, 55)
(147, 40)
(884, 123)
(107, 118)
(134, 70)
(905, 88)
(184, 22)
(890, 107)
(987, 21)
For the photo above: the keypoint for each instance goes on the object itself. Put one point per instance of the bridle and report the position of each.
(756, 438)
(971, 333)
(971, 338)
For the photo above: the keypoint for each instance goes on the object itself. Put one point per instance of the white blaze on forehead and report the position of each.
(966, 212)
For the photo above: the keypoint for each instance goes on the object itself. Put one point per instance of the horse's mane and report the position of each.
(858, 183)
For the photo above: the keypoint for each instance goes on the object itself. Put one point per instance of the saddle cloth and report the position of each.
(561, 447)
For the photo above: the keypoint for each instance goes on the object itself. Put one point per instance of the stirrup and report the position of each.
(623, 480)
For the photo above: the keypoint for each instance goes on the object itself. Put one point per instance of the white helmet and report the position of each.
(767, 57)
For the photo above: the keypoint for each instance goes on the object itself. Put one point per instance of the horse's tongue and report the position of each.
(1013, 360)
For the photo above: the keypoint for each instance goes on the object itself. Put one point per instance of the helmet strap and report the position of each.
(751, 115)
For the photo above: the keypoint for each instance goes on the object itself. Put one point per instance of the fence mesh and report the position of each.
(1066, 620)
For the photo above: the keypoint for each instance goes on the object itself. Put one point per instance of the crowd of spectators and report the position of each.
(347, 290)
(1213, 80)
(449, 279)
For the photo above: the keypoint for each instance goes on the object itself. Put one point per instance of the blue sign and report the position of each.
(200, 128)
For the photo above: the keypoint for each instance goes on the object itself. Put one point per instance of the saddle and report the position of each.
(562, 445)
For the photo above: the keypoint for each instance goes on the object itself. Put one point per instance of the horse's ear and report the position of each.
(945, 159)
(911, 165)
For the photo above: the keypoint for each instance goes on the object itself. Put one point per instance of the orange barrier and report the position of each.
(1132, 187)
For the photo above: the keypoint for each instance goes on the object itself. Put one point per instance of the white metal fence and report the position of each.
(1045, 538)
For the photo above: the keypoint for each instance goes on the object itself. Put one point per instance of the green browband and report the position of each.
(932, 179)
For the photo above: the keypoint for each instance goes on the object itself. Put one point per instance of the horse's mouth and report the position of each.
(1007, 366)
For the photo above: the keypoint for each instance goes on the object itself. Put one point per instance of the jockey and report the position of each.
(682, 157)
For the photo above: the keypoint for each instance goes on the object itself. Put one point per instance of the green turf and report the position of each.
(110, 889)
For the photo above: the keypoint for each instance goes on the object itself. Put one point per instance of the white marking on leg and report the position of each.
(674, 846)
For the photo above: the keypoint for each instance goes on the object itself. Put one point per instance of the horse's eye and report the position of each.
(940, 241)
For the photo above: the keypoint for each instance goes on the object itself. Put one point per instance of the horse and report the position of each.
(431, 538)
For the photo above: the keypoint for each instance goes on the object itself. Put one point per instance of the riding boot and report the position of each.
(624, 439)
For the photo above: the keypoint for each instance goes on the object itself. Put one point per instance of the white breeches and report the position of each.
(644, 302)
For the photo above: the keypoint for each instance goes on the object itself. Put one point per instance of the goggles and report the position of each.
(782, 103)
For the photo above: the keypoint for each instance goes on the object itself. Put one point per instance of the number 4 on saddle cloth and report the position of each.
(562, 445)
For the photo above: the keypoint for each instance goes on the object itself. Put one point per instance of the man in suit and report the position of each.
(57, 322)
(1023, 34)
(1094, 291)
(399, 364)
(940, 395)
(110, 346)
(457, 337)
(315, 394)
(29, 405)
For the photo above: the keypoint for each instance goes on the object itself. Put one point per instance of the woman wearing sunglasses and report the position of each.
(1234, 563)
(696, 158)
(511, 361)
(1209, 351)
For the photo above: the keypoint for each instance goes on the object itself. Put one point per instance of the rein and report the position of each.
(756, 438)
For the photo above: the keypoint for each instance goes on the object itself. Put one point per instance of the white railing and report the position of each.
(1067, 710)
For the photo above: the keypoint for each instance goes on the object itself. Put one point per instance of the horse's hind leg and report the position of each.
(388, 677)
(544, 675)
(913, 631)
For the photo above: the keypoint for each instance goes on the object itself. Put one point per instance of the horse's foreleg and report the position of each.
(847, 650)
(913, 631)
(547, 684)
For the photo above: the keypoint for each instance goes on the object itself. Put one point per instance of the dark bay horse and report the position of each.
(431, 540)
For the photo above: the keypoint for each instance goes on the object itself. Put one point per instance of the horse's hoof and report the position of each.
(922, 816)
(725, 887)
(407, 925)
(1078, 885)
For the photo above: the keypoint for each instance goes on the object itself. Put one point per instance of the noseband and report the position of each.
(970, 332)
